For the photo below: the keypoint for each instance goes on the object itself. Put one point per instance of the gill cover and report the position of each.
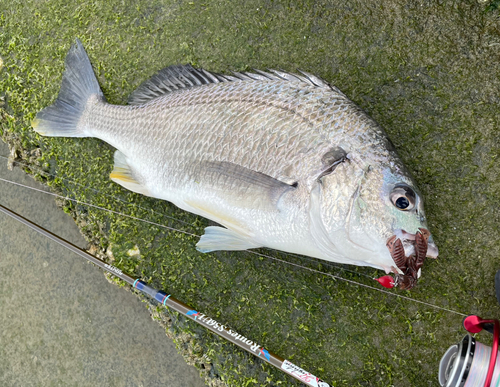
(318, 230)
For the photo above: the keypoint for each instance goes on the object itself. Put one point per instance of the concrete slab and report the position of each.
(61, 322)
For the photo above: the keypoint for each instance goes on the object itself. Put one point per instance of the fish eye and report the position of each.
(403, 198)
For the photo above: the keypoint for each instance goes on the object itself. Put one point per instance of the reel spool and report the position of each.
(470, 363)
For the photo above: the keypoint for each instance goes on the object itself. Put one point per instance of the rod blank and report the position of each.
(171, 302)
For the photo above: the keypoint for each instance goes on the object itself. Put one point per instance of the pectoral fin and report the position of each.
(219, 238)
(214, 213)
(231, 188)
(248, 188)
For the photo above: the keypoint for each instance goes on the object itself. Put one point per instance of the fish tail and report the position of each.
(79, 84)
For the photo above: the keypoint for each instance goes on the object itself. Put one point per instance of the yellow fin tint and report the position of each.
(35, 123)
(122, 174)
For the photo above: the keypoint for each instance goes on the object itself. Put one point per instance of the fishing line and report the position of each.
(329, 265)
(250, 251)
(98, 207)
(325, 263)
(94, 189)
(333, 266)
(361, 284)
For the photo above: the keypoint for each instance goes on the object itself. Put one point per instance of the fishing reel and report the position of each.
(470, 363)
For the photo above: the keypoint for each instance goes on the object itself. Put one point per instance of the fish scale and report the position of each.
(280, 160)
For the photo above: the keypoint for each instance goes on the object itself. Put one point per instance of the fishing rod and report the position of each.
(168, 301)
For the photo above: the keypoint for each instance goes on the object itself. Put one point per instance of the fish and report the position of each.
(279, 160)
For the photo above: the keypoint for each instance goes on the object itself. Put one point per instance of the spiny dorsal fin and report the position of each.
(280, 75)
(173, 78)
(179, 77)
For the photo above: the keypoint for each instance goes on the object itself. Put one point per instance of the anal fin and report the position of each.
(123, 174)
(219, 238)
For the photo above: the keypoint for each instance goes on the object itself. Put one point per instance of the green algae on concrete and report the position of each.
(427, 71)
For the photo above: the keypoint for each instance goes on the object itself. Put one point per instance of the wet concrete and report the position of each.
(61, 322)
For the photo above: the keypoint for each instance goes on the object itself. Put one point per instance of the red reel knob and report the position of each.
(473, 324)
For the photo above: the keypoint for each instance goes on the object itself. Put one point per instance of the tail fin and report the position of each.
(79, 83)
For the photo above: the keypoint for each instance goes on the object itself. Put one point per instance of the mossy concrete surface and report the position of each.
(427, 71)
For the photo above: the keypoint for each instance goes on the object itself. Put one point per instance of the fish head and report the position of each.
(358, 215)
(407, 235)
(404, 214)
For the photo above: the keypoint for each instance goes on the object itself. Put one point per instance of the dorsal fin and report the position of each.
(179, 77)
(278, 75)
(173, 78)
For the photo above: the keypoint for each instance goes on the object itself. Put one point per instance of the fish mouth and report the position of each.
(409, 252)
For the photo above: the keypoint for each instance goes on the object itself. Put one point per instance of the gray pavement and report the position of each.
(61, 322)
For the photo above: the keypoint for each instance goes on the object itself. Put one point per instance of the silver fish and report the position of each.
(280, 160)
